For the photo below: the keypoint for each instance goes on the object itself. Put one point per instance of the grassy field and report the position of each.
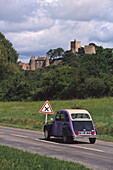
(26, 114)
(15, 159)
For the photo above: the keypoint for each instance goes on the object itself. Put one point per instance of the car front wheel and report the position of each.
(46, 134)
(92, 140)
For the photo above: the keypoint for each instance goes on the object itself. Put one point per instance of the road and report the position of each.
(96, 156)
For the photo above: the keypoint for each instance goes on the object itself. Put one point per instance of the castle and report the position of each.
(87, 49)
(75, 47)
(39, 62)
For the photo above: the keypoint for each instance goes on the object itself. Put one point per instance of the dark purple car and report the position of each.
(70, 124)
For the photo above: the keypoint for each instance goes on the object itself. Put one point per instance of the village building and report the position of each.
(39, 62)
(24, 66)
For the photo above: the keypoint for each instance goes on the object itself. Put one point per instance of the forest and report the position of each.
(79, 76)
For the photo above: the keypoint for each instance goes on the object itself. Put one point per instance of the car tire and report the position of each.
(65, 139)
(46, 134)
(70, 139)
(92, 140)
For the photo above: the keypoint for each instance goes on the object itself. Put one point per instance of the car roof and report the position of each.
(70, 111)
(78, 111)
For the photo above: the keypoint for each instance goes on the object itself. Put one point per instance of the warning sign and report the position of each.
(46, 108)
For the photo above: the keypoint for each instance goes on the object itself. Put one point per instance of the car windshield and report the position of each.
(81, 125)
(79, 116)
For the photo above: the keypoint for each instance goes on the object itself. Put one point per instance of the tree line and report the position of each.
(78, 76)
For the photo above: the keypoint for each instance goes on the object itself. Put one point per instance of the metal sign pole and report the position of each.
(46, 118)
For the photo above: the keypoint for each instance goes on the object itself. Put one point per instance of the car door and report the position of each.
(60, 123)
(56, 124)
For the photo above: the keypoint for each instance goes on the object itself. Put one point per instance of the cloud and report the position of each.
(83, 10)
(30, 24)
(35, 26)
(16, 10)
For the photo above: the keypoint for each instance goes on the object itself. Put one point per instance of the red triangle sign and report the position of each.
(46, 108)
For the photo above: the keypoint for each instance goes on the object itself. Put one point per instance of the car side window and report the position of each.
(66, 117)
(61, 116)
(57, 117)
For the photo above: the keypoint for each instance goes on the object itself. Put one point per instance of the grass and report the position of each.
(15, 159)
(26, 114)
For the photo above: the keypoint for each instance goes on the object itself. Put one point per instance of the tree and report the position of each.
(55, 53)
(9, 53)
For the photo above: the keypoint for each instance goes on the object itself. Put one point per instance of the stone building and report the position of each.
(24, 66)
(39, 62)
(32, 63)
(87, 49)
(75, 45)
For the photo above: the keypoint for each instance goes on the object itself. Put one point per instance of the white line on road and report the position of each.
(2, 133)
(86, 148)
(73, 146)
(19, 136)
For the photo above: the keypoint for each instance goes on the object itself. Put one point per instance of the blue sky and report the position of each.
(35, 26)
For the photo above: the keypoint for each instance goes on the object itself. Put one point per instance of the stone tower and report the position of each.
(75, 45)
(89, 49)
(47, 61)
(32, 63)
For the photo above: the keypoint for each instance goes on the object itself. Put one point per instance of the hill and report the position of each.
(78, 76)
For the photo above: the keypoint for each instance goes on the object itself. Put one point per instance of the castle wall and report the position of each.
(32, 63)
(78, 45)
(89, 49)
(47, 61)
(39, 64)
(75, 45)
(56, 62)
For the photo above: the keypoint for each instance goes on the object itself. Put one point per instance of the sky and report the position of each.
(36, 26)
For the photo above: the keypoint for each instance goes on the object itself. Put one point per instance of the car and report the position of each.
(71, 124)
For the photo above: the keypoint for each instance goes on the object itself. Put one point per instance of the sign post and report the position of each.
(46, 119)
(46, 109)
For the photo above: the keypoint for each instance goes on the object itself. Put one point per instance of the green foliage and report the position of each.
(7, 52)
(11, 158)
(54, 53)
(78, 76)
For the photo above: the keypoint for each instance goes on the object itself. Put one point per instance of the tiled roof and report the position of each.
(40, 58)
(21, 64)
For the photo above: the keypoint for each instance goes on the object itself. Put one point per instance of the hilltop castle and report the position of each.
(75, 47)
(87, 49)
(39, 62)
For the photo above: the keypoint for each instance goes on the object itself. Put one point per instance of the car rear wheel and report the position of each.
(70, 139)
(46, 134)
(92, 140)
(65, 139)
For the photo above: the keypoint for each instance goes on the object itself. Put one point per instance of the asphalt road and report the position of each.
(96, 156)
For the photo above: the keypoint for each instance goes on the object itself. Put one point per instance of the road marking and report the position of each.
(19, 136)
(73, 146)
(86, 148)
(2, 133)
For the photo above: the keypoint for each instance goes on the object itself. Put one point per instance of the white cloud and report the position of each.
(16, 10)
(83, 10)
(35, 26)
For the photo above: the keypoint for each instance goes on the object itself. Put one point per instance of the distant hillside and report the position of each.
(78, 76)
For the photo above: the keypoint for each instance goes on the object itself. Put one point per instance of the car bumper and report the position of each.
(85, 136)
